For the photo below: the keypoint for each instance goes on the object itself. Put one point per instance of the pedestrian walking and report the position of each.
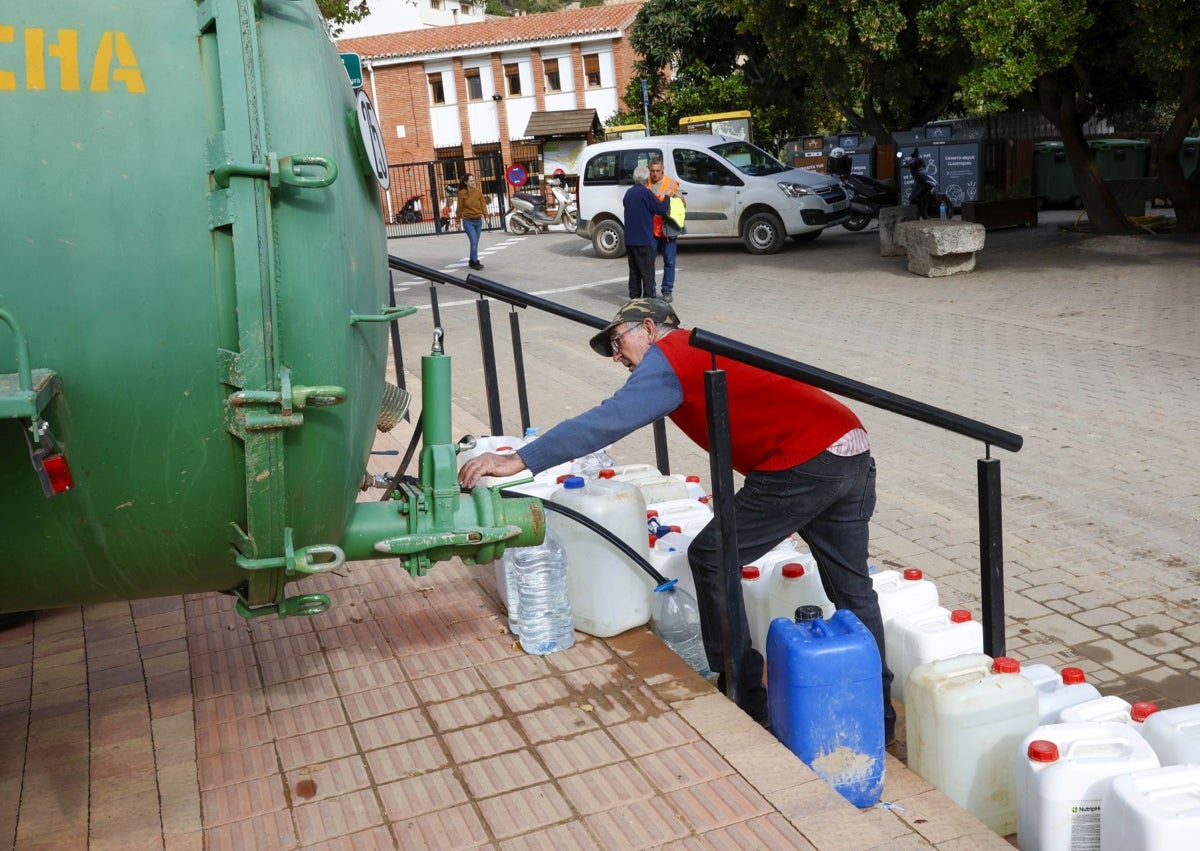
(640, 209)
(470, 212)
(805, 457)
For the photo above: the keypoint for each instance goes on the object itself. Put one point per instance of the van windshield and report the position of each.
(749, 159)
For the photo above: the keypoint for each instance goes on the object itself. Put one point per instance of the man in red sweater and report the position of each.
(805, 457)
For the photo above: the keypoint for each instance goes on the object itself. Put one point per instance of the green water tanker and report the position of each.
(193, 330)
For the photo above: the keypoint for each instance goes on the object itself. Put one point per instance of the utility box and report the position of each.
(1053, 182)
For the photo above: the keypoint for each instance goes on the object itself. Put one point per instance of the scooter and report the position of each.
(867, 195)
(529, 211)
(925, 196)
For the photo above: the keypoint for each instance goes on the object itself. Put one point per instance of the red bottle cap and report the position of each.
(1073, 676)
(504, 449)
(651, 512)
(1006, 665)
(1041, 750)
(691, 479)
(1142, 710)
(960, 616)
(793, 570)
(607, 473)
(562, 478)
(750, 572)
(913, 574)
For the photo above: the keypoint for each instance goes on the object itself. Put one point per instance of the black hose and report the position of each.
(583, 519)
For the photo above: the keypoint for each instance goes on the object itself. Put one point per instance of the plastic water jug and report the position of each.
(825, 696)
(754, 599)
(903, 591)
(1109, 707)
(632, 472)
(1063, 772)
(1058, 691)
(926, 635)
(794, 581)
(688, 514)
(965, 717)
(662, 488)
(668, 555)
(696, 489)
(608, 592)
(1175, 734)
(760, 616)
(1153, 810)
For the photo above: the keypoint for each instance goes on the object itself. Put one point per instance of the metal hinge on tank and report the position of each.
(24, 395)
(294, 563)
(245, 412)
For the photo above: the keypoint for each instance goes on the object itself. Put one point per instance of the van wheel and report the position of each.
(763, 234)
(608, 238)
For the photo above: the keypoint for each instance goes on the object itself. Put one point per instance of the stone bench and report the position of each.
(938, 248)
(889, 218)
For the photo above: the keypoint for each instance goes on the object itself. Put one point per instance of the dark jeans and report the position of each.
(668, 248)
(641, 270)
(829, 501)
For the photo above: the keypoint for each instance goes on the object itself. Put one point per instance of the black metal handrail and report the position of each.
(988, 468)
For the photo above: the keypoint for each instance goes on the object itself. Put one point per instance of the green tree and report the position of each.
(338, 13)
(1073, 59)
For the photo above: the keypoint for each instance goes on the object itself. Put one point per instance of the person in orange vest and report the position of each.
(663, 186)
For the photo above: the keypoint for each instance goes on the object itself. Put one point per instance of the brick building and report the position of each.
(462, 91)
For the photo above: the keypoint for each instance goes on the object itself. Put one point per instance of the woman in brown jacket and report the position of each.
(470, 213)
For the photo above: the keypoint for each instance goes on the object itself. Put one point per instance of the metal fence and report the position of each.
(420, 200)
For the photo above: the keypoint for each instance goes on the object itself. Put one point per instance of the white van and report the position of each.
(733, 191)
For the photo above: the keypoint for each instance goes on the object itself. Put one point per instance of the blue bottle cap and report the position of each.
(573, 482)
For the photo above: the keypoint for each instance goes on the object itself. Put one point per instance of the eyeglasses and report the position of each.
(615, 341)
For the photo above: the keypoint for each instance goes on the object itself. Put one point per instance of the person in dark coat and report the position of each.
(641, 206)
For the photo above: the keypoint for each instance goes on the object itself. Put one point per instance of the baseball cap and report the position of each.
(634, 311)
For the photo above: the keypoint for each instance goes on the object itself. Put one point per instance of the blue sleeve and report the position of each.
(652, 392)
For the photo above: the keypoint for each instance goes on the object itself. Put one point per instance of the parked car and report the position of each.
(733, 190)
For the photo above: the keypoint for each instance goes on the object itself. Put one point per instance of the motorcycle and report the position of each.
(925, 196)
(867, 195)
(529, 211)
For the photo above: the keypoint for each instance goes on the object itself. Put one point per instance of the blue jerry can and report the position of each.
(825, 694)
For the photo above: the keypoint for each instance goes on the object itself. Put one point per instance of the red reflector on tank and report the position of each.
(58, 473)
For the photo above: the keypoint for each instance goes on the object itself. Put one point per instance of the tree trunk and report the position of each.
(1057, 103)
(1184, 193)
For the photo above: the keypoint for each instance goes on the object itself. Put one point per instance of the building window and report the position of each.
(512, 73)
(553, 84)
(474, 84)
(435, 4)
(591, 70)
(437, 93)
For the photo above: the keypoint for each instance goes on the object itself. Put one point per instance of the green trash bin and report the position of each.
(1119, 158)
(1053, 182)
(1189, 154)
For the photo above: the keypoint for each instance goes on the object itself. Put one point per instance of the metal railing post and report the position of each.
(991, 557)
(721, 471)
(662, 458)
(514, 327)
(491, 382)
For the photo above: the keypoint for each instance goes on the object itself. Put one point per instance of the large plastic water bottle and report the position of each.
(675, 618)
(545, 621)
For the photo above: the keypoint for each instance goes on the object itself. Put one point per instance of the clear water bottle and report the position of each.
(512, 592)
(942, 211)
(675, 618)
(531, 432)
(546, 623)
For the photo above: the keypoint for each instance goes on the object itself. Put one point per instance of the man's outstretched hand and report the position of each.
(489, 464)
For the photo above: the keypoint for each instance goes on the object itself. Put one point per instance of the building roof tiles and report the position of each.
(494, 32)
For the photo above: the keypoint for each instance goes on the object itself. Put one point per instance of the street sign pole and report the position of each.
(646, 105)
